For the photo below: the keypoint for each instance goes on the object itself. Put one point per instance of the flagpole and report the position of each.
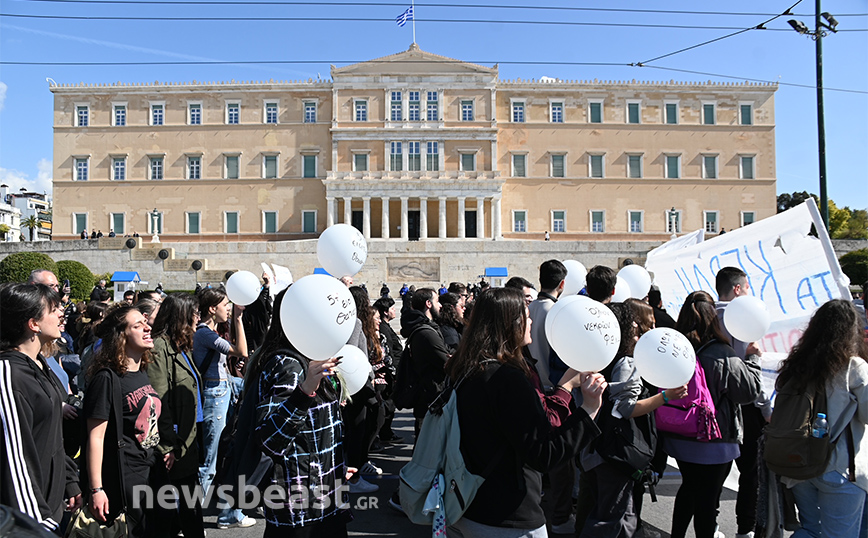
(413, 5)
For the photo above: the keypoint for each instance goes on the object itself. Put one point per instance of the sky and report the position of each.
(527, 39)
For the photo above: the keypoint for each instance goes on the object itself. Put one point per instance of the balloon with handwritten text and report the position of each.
(318, 315)
(342, 250)
(354, 368)
(747, 318)
(584, 333)
(243, 287)
(665, 358)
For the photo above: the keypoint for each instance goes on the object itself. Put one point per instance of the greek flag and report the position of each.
(404, 17)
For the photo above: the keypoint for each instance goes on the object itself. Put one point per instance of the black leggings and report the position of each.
(698, 498)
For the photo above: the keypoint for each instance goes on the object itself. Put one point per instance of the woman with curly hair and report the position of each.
(178, 384)
(119, 370)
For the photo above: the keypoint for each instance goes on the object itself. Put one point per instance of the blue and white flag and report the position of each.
(404, 17)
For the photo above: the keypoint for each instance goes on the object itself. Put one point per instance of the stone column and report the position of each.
(384, 227)
(423, 218)
(366, 216)
(330, 211)
(497, 232)
(480, 217)
(461, 232)
(348, 210)
(441, 226)
(405, 227)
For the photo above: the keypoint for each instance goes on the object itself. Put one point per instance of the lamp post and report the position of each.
(817, 35)
(155, 215)
(672, 216)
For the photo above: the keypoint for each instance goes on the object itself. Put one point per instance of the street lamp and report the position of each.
(821, 30)
(672, 216)
(155, 215)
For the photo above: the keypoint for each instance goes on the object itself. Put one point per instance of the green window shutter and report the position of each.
(309, 165)
(270, 222)
(596, 112)
(309, 222)
(193, 223)
(232, 223)
(633, 112)
(558, 166)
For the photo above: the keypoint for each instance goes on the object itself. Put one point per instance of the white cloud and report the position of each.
(2, 95)
(17, 179)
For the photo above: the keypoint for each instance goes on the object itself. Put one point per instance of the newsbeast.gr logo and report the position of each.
(248, 497)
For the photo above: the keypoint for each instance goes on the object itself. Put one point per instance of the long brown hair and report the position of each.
(175, 320)
(112, 351)
(833, 336)
(496, 331)
(643, 314)
(698, 320)
(365, 313)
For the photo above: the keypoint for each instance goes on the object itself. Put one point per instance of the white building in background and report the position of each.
(29, 204)
(10, 216)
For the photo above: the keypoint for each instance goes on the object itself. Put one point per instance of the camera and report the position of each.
(75, 401)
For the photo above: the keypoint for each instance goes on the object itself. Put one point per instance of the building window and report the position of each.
(598, 221)
(747, 165)
(432, 107)
(673, 166)
(596, 170)
(519, 221)
(468, 162)
(558, 165)
(518, 112)
(150, 218)
(746, 114)
(747, 217)
(195, 113)
(230, 222)
(634, 166)
(270, 112)
(156, 114)
(360, 162)
(119, 168)
(595, 111)
(156, 168)
(397, 107)
(309, 164)
(82, 115)
(670, 216)
(81, 168)
(559, 221)
(415, 107)
(269, 222)
(671, 113)
(308, 221)
(233, 113)
(232, 167)
(118, 223)
(711, 219)
(396, 157)
(708, 114)
(310, 112)
(361, 110)
(557, 112)
(633, 113)
(120, 115)
(433, 157)
(636, 222)
(79, 222)
(709, 166)
(193, 220)
(414, 162)
(466, 110)
(269, 164)
(519, 165)
(194, 167)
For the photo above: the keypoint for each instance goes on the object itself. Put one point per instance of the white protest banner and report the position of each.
(791, 271)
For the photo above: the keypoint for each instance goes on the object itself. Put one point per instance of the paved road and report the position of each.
(374, 517)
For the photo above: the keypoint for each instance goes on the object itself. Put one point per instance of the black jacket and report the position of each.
(394, 343)
(256, 319)
(429, 356)
(40, 476)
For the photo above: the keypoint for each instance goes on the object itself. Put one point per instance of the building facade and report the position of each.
(10, 216)
(413, 146)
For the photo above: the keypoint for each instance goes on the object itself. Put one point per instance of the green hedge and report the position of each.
(80, 278)
(17, 267)
(855, 265)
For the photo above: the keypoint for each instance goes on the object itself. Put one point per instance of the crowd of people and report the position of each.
(159, 377)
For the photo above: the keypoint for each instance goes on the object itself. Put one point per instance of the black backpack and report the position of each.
(408, 378)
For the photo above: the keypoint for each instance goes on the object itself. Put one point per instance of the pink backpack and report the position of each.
(692, 416)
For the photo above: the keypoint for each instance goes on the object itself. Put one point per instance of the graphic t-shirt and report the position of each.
(141, 409)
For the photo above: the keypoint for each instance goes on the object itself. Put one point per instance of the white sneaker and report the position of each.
(745, 535)
(370, 468)
(567, 527)
(718, 534)
(243, 524)
(363, 486)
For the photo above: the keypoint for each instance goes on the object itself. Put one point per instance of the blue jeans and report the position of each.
(829, 506)
(218, 395)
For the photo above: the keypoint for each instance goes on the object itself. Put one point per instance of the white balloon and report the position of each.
(554, 310)
(318, 315)
(342, 250)
(665, 358)
(243, 287)
(747, 318)
(622, 291)
(585, 334)
(575, 279)
(354, 368)
(638, 279)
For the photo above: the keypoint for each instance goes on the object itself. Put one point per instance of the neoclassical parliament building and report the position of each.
(412, 146)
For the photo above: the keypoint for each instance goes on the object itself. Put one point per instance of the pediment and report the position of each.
(410, 62)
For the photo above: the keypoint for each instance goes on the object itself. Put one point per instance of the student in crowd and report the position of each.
(39, 479)
(386, 307)
(525, 286)
(177, 382)
(504, 428)
(149, 308)
(732, 382)
(299, 426)
(831, 351)
(119, 368)
(451, 320)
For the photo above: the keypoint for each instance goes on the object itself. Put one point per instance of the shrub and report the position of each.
(17, 267)
(855, 265)
(80, 278)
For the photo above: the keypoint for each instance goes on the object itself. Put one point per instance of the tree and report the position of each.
(4, 229)
(31, 223)
(789, 201)
(17, 267)
(854, 224)
(855, 265)
(838, 219)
